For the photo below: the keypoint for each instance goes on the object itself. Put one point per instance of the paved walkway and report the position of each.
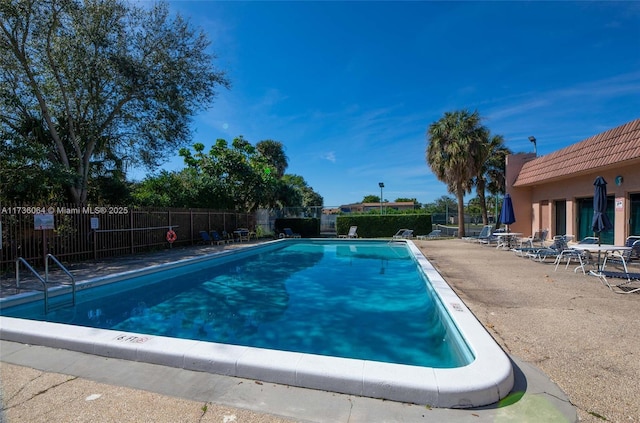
(582, 335)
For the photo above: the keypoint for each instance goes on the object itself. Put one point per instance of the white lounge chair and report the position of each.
(538, 237)
(353, 233)
(484, 234)
(436, 233)
(554, 250)
(581, 256)
(403, 234)
(621, 259)
(629, 278)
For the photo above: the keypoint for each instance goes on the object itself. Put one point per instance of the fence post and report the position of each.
(131, 220)
(44, 247)
(169, 217)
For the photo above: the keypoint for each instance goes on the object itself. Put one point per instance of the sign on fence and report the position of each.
(43, 221)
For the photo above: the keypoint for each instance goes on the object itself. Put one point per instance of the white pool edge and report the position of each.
(486, 380)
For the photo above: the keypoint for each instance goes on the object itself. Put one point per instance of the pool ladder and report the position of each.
(47, 306)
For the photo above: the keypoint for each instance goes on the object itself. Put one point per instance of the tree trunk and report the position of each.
(480, 188)
(460, 196)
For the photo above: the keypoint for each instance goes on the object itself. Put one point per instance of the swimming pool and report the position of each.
(282, 312)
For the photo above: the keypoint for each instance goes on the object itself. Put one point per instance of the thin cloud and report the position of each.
(330, 156)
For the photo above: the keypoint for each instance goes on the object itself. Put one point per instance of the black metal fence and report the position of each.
(76, 233)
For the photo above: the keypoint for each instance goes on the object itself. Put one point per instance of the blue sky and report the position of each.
(350, 87)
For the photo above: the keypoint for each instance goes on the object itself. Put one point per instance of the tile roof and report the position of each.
(612, 147)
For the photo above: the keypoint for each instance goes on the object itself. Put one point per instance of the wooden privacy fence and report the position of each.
(76, 233)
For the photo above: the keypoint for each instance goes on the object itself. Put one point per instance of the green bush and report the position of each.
(307, 227)
(383, 226)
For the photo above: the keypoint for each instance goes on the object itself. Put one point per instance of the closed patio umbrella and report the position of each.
(507, 216)
(601, 222)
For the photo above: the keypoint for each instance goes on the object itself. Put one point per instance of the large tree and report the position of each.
(307, 196)
(100, 82)
(441, 205)
(454, 143)
(245, 177)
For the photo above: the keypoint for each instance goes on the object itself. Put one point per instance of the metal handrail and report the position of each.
(44, 283)
(65, 270)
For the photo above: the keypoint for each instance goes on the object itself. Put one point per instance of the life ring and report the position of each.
(171, 236)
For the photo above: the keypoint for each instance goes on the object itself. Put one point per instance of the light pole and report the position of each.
(381, 185)
(535, 147)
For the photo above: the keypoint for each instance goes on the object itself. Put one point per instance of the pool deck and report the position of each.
(527, 309)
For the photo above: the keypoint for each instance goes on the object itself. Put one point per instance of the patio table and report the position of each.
(603, 248)
(505, 238)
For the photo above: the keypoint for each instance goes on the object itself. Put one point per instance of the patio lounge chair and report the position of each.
(205, 237)
(554, 250)
(215, 237)
(436, 233)
(582, 256)
(485, 233)
(403, 234)
(353, 233)
(621, 259)
(288, 233)
(491, 237)
(227, 237)
(538, 237)
(243, 234)
(529, 251)
(629, 278)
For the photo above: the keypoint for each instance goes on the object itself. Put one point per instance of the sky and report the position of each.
(350, 87)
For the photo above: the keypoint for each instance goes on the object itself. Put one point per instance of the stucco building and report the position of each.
(555, 191)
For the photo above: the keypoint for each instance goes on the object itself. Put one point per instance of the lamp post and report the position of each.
(535, 148)
(381, 185)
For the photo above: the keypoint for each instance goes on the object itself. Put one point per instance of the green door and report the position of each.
(585, 219)
(634, 227)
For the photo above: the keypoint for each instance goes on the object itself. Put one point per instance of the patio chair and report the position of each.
(491, 238)
(554, 250)
(288, 233)
(436, 233)
(227, 236)
(538, 237)
(581, 256)
(205, 237)
(243, 234)
(403, 234)
(621, 259)
(215, 237)
(628, 278)
(485, 232)
(353, 233)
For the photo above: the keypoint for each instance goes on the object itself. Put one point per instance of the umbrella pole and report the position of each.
(599, 242)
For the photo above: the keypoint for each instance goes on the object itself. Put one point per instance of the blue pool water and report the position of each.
(354, 299)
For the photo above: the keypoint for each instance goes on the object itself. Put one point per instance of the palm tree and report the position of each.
(454, 144)
(491, 169)
(273, 152)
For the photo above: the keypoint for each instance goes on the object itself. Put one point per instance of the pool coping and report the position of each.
(486, 380)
